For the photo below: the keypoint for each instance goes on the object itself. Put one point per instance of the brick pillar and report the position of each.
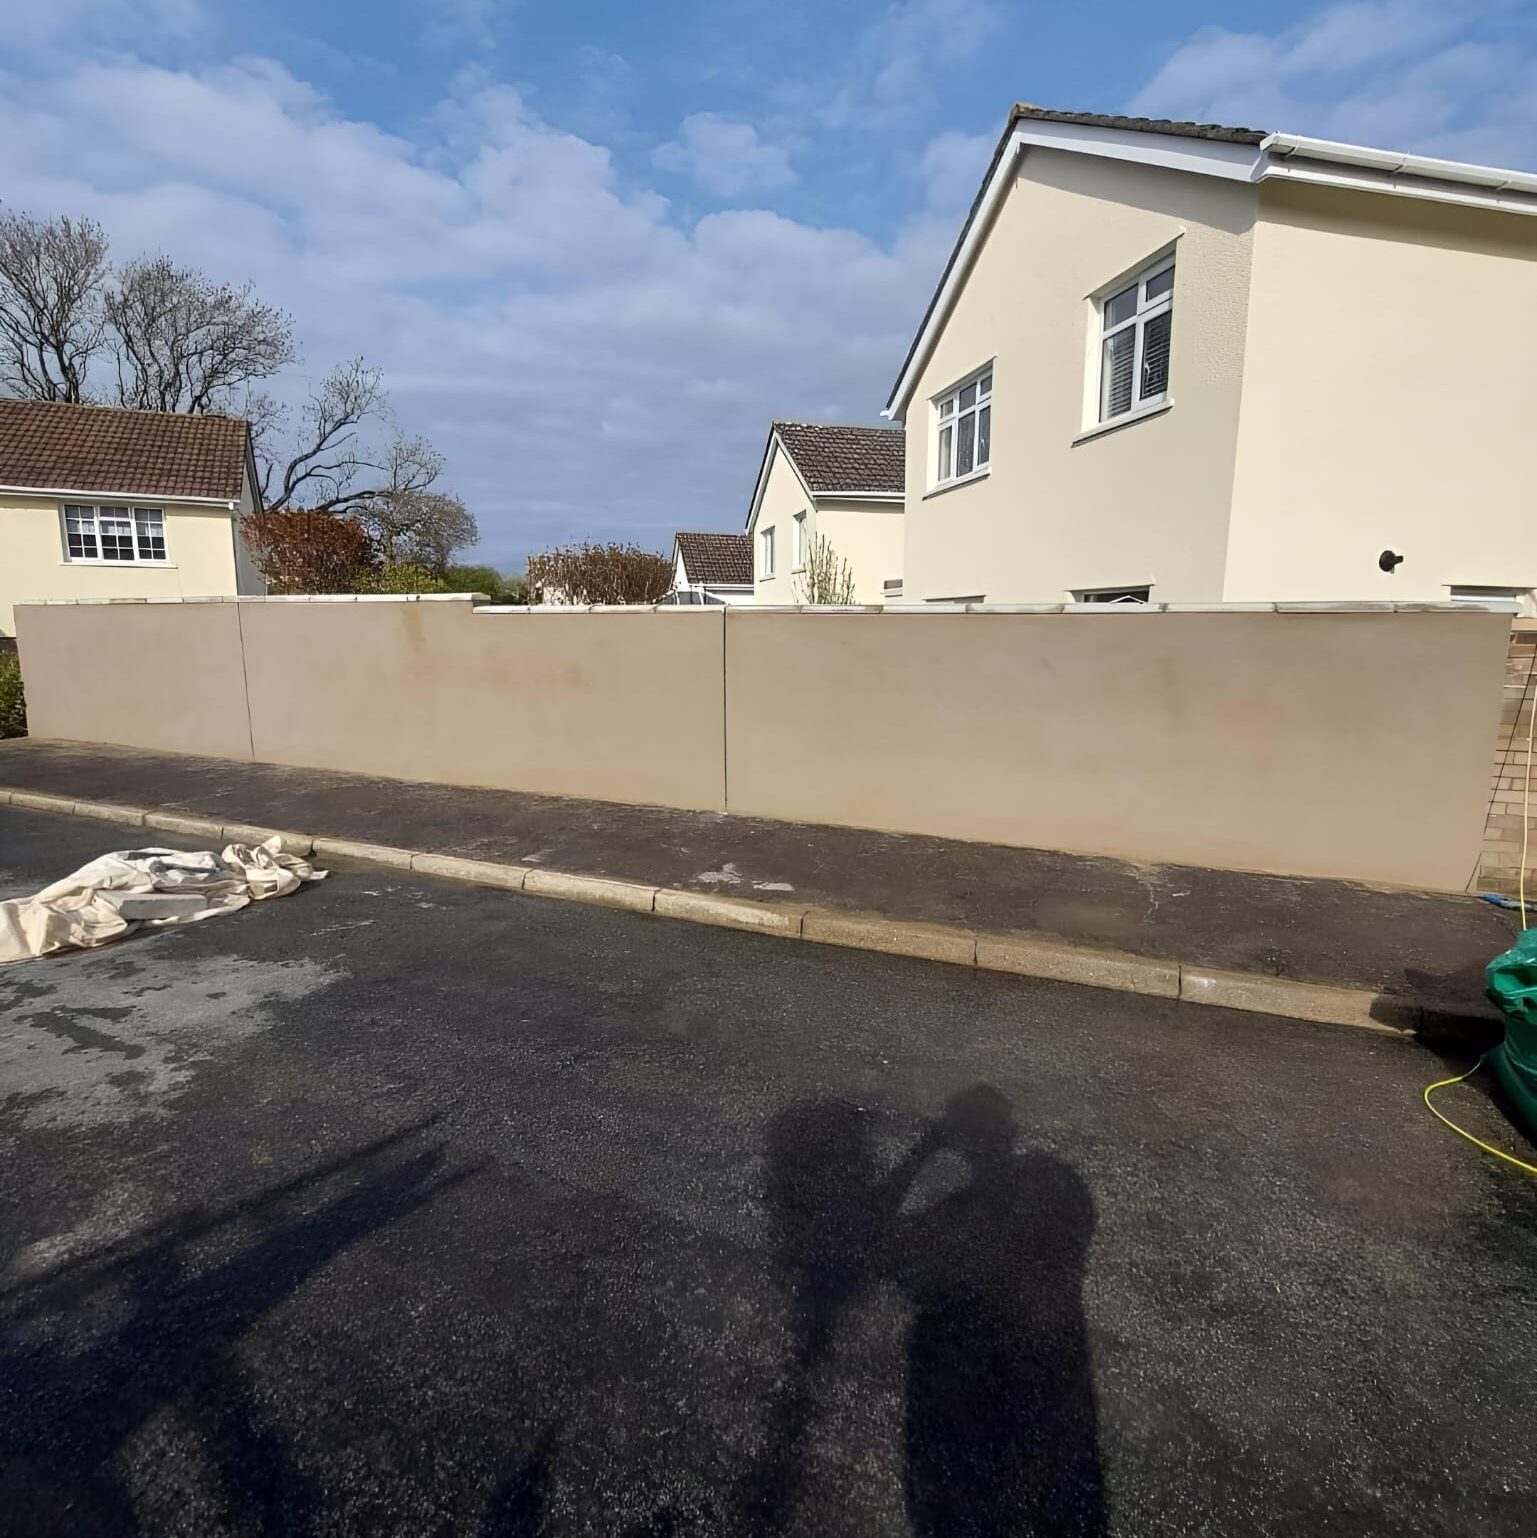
(1500, 864)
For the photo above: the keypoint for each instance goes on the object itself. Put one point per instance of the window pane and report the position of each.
(150, 527)
(1155, 355)
(968, 397)
(985, 384)
(1116, 373)
(944, 453)
(1160, 283)
(984, 435)
(965, 443)
(80, 533)
(1121, 306)
(116, 535)
(947, 407)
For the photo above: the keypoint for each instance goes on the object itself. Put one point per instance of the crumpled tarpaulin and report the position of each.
(145, 889)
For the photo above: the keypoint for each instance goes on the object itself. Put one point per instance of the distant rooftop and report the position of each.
(58, 446)
(717, 558)
(834, 459)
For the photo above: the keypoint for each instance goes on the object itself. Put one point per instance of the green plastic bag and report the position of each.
(1510, 981)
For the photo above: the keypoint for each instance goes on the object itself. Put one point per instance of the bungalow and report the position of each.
(711, 569)
(1186, 363)
(98, 502)
(838, 485)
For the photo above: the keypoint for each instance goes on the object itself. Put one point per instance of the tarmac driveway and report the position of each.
(398, 1207)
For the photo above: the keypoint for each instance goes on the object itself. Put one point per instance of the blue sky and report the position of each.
(597, 247)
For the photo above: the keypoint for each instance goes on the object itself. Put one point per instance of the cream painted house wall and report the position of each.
(203, 555)
(867, 534)
(1387, 400)
(1144, 503)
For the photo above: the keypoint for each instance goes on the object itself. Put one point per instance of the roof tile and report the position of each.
(723, 558)
(59, 446)
(835, 460)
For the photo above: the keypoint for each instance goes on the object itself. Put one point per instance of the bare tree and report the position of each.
(51, 318)
(328, 457)
(185, 343)
(408, 521)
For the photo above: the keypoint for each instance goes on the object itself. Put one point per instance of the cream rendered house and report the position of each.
(1182, 363)
(97, 502)
(841, 483)
(711, 569)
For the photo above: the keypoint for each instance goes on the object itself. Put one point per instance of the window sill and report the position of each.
(1126, 418)
(88, 560)
(958, 481)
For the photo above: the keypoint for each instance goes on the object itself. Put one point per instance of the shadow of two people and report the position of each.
(999, 1429)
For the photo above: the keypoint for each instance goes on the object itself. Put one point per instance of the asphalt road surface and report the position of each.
(400, 1207)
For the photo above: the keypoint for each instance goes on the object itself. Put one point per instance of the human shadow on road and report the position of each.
(68, 1410)
(1000, 1427)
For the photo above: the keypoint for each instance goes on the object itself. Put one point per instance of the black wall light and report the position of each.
(1387, 561)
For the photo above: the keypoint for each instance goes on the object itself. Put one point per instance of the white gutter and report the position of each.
(1327, 163)
(116, 496)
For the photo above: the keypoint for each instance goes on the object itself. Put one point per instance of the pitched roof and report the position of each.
(1028, 110)
(56, 446)
(723, 558)
(837, 460)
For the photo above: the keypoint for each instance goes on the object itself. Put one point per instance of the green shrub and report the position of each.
(400, 577)
(13, 702)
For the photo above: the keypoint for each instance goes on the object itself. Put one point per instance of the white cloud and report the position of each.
(589, 365)
(725, 156)
(1402, 74)
(952, 166)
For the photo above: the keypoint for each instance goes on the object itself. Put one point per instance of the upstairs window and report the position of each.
(965, 419)
(113, 534)
(1135, 326)
(766, 545)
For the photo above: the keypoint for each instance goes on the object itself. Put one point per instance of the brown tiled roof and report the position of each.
(724, 558)
(1170, 127)
(59, 447)
(834, 459)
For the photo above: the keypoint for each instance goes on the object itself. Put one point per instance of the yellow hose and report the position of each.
(1499, 1153)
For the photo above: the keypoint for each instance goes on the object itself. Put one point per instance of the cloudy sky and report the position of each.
(597, 247)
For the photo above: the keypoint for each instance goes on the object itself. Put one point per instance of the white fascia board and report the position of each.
(133, 498)
(775, 446)
(859, 496)
(1201, 157)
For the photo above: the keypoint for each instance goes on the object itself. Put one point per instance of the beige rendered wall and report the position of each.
(1146, 503)
(618, 706)
(199, 545)
(1387, 400)
(869, 536)
(784, 495)
(147, 675)
(1310, 743)
(1344, 744)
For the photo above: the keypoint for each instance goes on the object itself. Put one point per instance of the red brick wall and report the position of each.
(1501, 862)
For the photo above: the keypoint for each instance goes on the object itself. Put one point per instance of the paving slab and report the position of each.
(1427, 945)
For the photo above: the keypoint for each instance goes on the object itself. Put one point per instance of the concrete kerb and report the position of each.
(1023, 955)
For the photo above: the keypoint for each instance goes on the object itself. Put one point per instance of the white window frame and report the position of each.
(766, 549)
(948, 417)
(800, 542)
(141, 520)
(1144, 310)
